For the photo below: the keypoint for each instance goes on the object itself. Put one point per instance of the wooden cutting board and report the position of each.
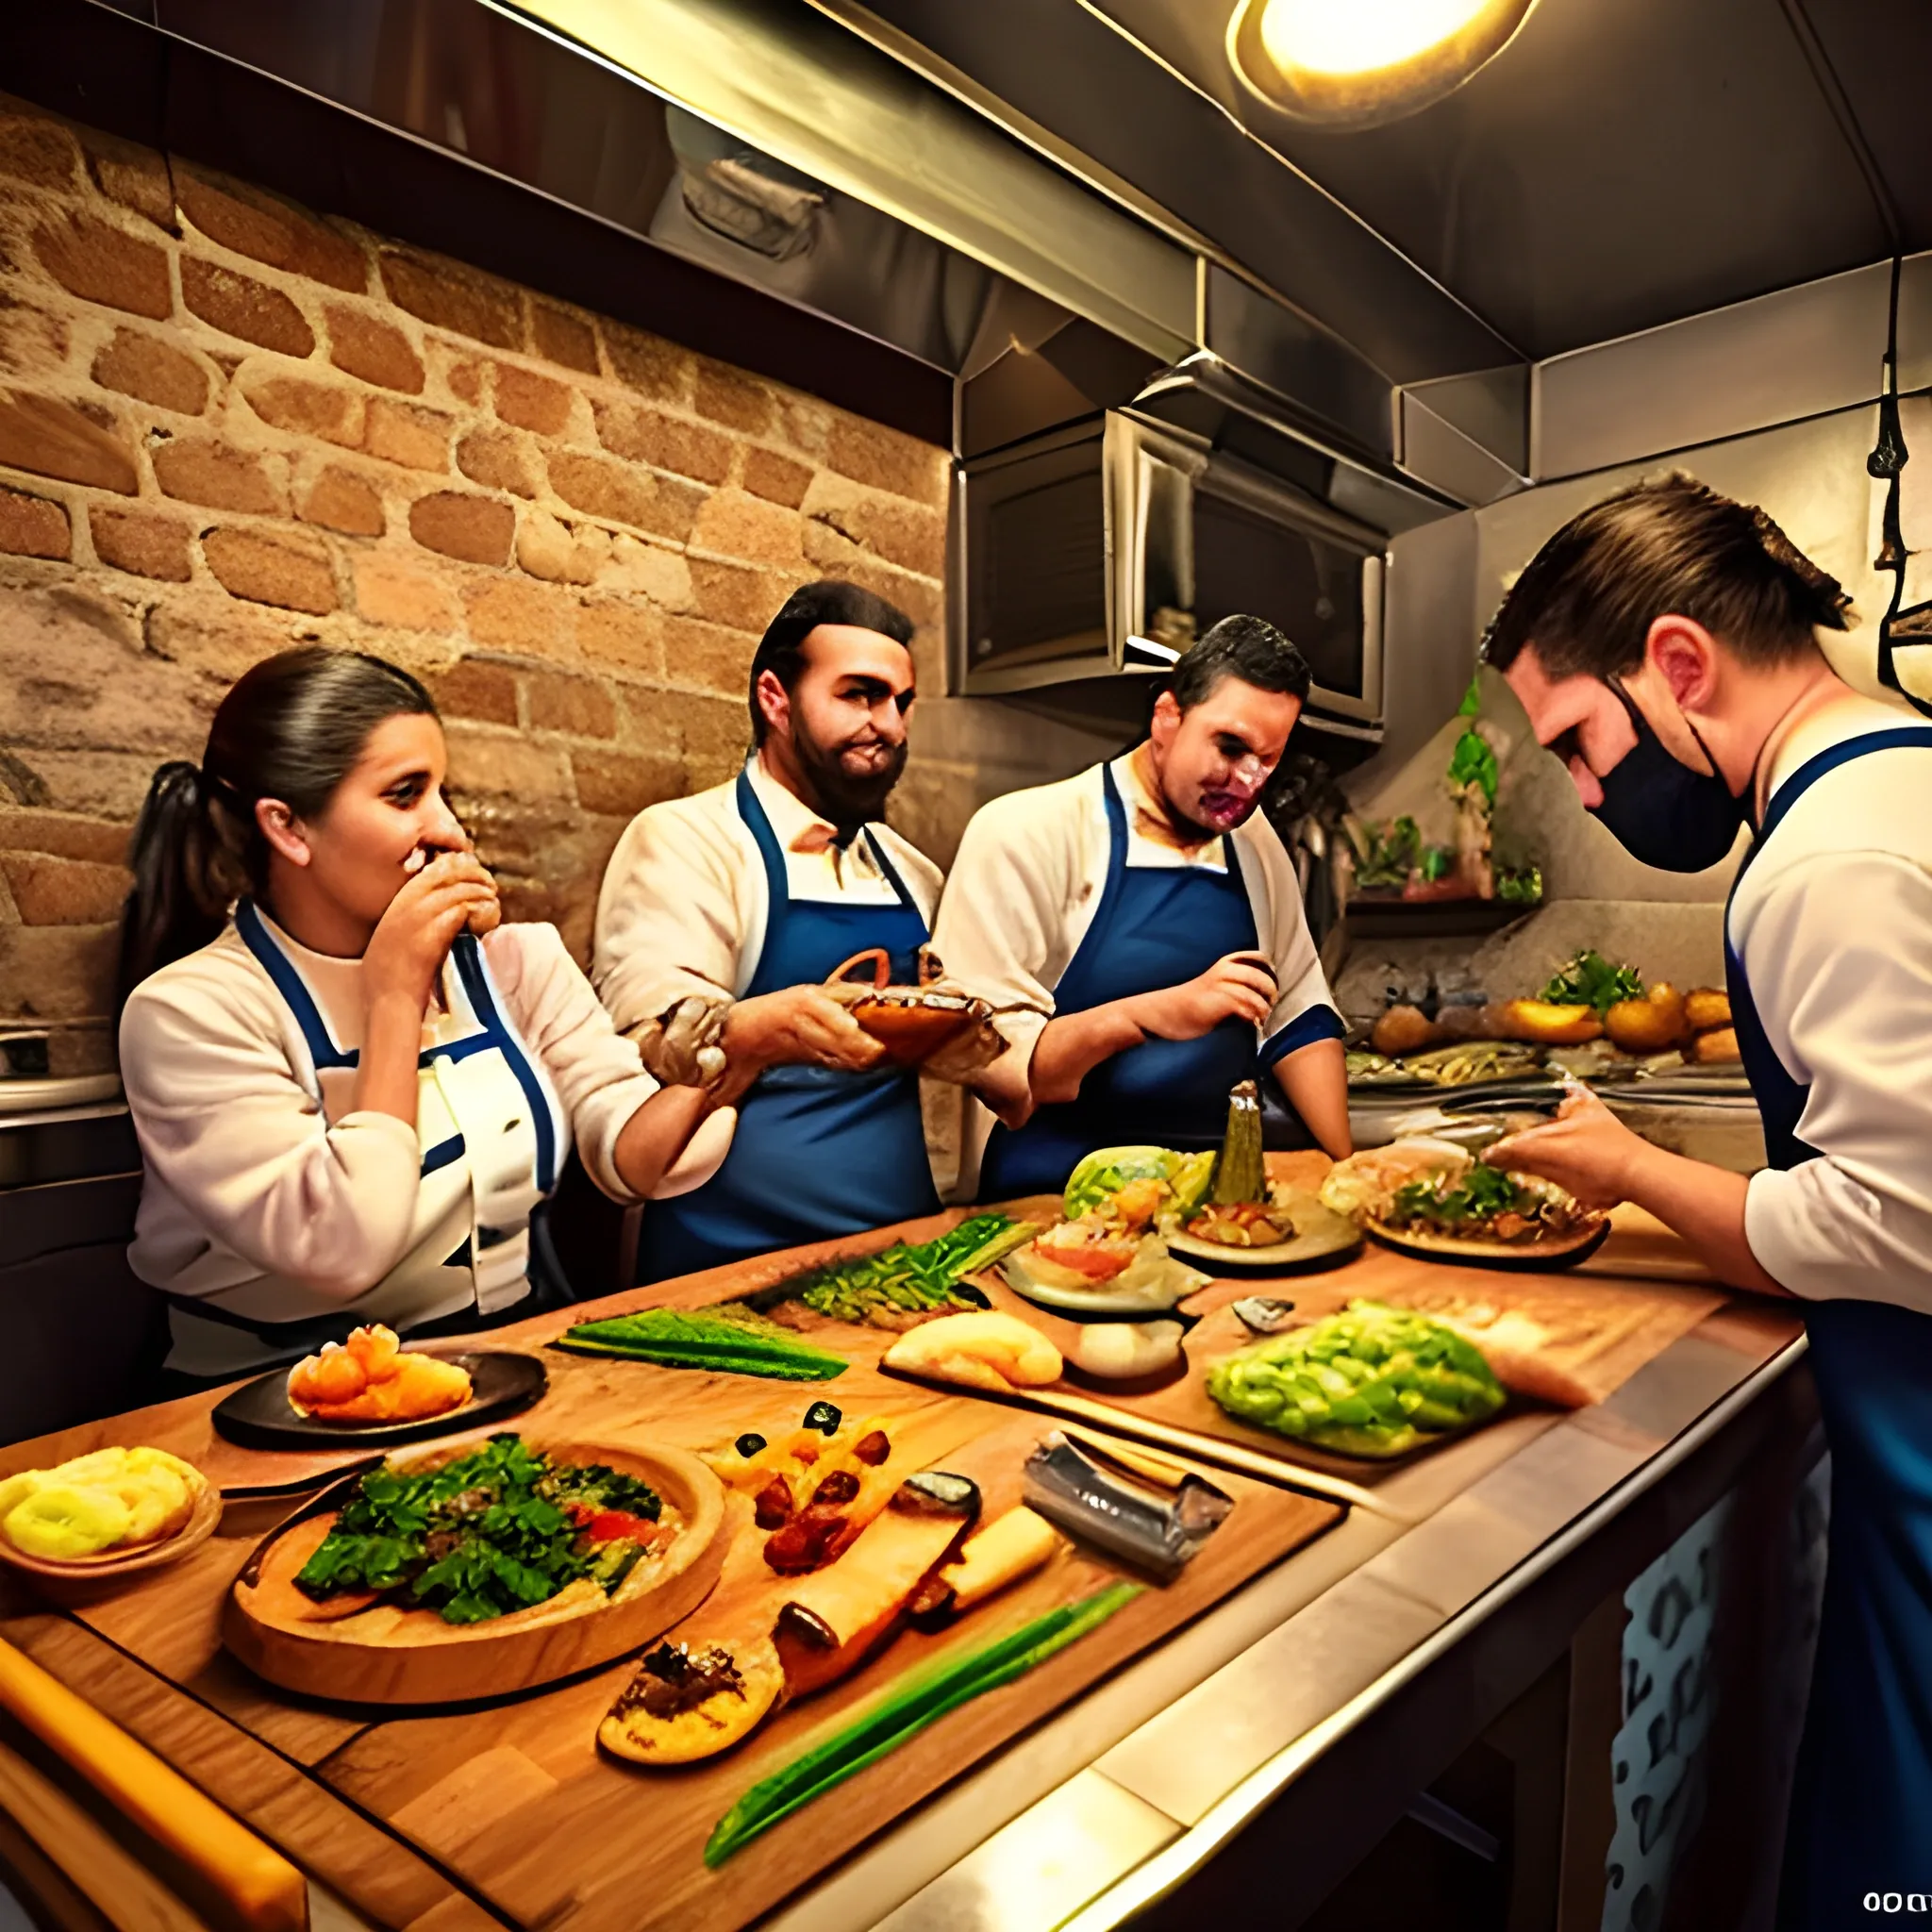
(1603, 1329)
(496, 1792)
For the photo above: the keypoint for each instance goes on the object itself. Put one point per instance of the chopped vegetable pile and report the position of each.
(910, 1282)
(499, 1530)
(1135, 1187)
(1590, 980)
(728, 1340)
(1370, 1381)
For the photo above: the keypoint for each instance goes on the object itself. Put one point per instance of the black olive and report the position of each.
(748, 1445)
(824, 1416)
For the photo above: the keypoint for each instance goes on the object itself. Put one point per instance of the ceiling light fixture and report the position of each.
(1356, 63)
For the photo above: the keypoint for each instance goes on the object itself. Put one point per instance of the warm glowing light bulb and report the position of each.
(1358, 36)
(1357, 63)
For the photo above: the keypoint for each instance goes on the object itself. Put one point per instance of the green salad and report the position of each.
(1183, 1179)
(1370, 1381)
(1482, 1203)
(500, 1529)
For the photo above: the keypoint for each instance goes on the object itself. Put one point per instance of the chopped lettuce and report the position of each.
(1370, 1381)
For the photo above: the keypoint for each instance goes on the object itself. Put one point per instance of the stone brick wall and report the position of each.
(228, 424)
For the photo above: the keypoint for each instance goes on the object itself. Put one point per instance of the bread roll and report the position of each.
(1707, 1008)
(1404, 1029)
(1719, 1047)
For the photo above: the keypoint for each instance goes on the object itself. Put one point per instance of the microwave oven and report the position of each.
(1107, 546)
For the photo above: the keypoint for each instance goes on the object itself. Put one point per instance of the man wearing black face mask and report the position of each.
(721, 917)
(1663, 645)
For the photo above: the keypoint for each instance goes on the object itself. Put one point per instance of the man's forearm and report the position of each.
(1706, 1206)
(1072, 1046)
(1315, 1078)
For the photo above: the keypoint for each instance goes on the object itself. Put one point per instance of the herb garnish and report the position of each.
(1475, 1194)
(498, 1530)
(1590, 980)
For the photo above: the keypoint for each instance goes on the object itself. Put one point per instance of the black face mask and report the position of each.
(1661, 811)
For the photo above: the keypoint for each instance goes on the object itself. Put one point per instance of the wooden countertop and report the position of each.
(444, 1821)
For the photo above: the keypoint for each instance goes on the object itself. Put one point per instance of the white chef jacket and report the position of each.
(264, 1194)
(683, 907)
(1832, 923)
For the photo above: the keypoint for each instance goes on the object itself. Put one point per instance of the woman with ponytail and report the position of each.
(353, 1086)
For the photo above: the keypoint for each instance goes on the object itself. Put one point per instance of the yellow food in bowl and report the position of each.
(110, 1499)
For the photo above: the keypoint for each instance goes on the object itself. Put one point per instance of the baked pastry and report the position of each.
(369, 1379)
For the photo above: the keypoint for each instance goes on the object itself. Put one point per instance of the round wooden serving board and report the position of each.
(383, 1654)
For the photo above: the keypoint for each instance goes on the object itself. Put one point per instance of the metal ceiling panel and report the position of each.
(1881, 52)
(1065, 65)
(1621, 164)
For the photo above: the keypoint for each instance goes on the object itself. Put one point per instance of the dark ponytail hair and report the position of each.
(291, 728)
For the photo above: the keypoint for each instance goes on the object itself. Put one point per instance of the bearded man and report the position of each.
(1142, 924)
(721, 918)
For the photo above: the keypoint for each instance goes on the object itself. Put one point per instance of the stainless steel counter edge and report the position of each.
(1091, 1816)
(1166, 1868)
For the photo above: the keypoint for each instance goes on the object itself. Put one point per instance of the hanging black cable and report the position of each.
(1888, 454)
(1888, 460)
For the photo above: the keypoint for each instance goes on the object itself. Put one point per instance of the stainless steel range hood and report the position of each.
(763, 141)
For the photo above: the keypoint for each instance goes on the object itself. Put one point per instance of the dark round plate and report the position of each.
(257, 1414)
(1542, 1261)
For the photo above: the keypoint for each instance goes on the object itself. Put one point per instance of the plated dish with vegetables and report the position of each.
(464, 1570)
(1436, 1199)
(1593, 1018)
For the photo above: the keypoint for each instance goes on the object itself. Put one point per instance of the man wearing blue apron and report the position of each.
(1149, 908)
(721, 916)
(1663, 644)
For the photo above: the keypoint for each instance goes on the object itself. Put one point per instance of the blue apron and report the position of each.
(1861, 1808)
(817, 1152)
(1155, 927)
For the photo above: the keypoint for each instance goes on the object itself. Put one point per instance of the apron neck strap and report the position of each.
(777, 880)
(288, 981)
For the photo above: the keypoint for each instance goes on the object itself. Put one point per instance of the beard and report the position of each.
(848, 800)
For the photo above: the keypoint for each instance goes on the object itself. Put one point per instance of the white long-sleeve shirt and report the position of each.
(683, 906)
(1832, 922)
(280, 1206)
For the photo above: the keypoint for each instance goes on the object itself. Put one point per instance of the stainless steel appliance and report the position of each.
(1107, 545)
